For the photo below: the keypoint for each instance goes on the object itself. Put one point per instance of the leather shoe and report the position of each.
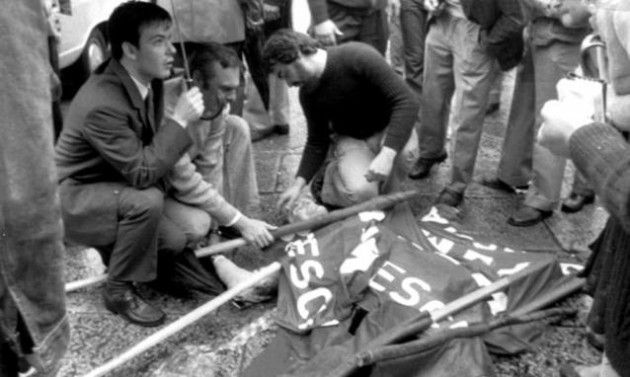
(575, 202)
(129, 305)
(423, 166)
(450, 198)
(595, 339)
(528, 216)
(497, 184)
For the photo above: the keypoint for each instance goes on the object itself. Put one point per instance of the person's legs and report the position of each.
(240, 187)
(551, 63)
(413, 30)
(134, 255)
(344, 180)
(475, 71)
(374, 30)
(438, 87)
(182, 226)
(515, 166)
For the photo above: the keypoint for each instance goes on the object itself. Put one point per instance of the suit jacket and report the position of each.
(108, 142)
(502, 24)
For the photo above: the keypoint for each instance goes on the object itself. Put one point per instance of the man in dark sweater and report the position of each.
(353, 100)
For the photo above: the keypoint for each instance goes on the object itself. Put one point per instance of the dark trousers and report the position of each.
(140, 231)
(360, 25)
(413, 27)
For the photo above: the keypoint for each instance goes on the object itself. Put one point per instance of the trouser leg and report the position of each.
(240, 187)
(134, 254)
(344, 180)
(551, 63)
(515, 166)
(413, 30)
(475, 72)
(438, 86)
(181, 226)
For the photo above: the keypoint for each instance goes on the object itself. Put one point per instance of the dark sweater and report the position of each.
(358, 95)
(602, 155)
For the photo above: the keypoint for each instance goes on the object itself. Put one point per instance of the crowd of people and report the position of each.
(149, 163)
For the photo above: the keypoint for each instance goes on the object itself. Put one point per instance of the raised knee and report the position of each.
(149, 202)
(199, 228)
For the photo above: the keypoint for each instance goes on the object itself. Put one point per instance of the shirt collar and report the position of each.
(143, 89)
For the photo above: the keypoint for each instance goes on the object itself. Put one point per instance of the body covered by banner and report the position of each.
(347, 283)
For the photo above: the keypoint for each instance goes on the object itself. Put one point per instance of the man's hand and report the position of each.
(189, 107)
(326, 33)
(560, 121)
(254, 231)
(381, 165)
(289, 196)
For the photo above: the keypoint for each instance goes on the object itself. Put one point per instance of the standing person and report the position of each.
(466, 40)
(354, 104)
(556, 31)
(114, 153)
(34, 328)
(340, 21)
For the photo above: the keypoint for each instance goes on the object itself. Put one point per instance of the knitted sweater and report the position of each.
(357, 95)
(601, 154)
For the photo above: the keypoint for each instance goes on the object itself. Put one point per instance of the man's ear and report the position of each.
(129, 50)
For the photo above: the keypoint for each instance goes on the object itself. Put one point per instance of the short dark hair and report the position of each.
(128, 19)
(285, 44)
(204, 54)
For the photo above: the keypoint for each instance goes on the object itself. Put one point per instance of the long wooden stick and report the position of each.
(378, 203)
(186, 320)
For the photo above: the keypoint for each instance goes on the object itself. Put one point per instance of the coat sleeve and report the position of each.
(190, 188)
(600, 152)
(108, 131)
(508, 26)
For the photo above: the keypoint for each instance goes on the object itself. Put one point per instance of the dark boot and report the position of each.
(121, 298)
(423, 166)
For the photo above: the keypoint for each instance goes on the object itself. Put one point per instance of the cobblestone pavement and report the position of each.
(97, 335)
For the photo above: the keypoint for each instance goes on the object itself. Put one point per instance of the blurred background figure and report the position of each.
(34, 328)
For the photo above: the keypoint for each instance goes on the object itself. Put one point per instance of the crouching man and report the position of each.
(354, 102)
(116, 155)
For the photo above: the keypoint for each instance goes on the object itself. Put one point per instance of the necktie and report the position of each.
(148, 103)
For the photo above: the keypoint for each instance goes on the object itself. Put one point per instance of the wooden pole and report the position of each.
(377, 203)
(186, 320)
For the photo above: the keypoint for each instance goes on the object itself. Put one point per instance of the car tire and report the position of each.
(95, 52)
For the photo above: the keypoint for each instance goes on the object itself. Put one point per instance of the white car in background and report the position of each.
(83, 43)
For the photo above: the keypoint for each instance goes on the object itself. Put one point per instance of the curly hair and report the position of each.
(285, 45)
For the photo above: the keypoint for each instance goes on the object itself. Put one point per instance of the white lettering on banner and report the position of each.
(481, 246)
(569, 268)
(443, 245)
(310, 296)
(432, 305)
(382, 272)
(515, 269)
(368, 216)
(302, 246)
(361, 258)
(472, 255)
(459, 325)
(413, 297)
(302, 282)
(434, 216)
